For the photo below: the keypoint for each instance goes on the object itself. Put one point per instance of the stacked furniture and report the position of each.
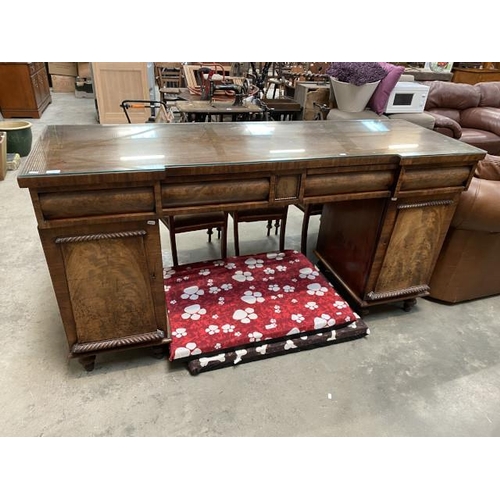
(469, 113)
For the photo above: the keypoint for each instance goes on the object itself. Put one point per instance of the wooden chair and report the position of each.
(277, 214)
(309, 210)
(195, 222)
(168, 74)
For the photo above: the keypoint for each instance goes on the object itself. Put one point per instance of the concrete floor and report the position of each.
(433, 371)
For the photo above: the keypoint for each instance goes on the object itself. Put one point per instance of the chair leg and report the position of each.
(236, 235)
(173, 244)
(269, 226)
(305, 228)
(277, 226)
(223, 243)
(210, 232)
(282, 230)
(303, 237)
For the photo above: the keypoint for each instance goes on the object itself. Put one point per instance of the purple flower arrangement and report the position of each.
(357, 73)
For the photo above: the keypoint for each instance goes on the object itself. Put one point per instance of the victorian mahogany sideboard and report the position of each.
(390, 189)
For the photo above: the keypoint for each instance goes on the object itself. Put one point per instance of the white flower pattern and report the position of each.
(252, 297)
(192, 293)
(212, 329)
(316, 289)
(193, 312)
(255, 336)
(245, 315)
(180, 332)
(254, 263)
(311, 305)
(309, 273)
(243, 276)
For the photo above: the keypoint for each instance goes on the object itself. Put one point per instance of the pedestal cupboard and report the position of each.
(389, 189)
(24, 89)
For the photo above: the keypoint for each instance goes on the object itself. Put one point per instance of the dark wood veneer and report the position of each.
(389, 192)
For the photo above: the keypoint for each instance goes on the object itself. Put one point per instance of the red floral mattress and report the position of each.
(270, 304)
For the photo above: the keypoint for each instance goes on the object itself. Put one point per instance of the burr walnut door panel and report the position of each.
(108, 282)
(409, 244)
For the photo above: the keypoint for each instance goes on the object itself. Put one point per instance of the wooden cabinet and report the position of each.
(24, 89)
(473, 75)
(117, 82)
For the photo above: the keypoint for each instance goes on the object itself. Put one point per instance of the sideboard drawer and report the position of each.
(96, 202)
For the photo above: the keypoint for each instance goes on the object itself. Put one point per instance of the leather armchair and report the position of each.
(470, 113)
(467, 267)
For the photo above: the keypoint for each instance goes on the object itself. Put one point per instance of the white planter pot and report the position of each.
(352, 98)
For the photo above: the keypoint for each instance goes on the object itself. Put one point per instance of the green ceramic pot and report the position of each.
(19, 136)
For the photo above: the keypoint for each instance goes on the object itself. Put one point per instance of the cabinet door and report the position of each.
(37, 89)
(117, 82)
(17, 98)
(108, 282)
(408, 247)
(41, 85)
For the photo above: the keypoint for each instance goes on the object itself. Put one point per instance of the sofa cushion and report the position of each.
(482, 139)
(453, 114)
(378, 100)
(490, 94)
(452, 95)
(485, 118)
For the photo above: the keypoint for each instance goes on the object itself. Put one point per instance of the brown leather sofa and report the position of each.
(470, 113)
(468, 265)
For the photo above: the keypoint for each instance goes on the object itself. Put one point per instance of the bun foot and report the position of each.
(88, 362)
(158, 352)
(408, 304)
(363, 311)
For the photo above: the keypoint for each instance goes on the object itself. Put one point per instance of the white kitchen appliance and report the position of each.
(407, 97)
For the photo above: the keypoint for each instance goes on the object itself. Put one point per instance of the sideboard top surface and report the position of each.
(82, 150)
